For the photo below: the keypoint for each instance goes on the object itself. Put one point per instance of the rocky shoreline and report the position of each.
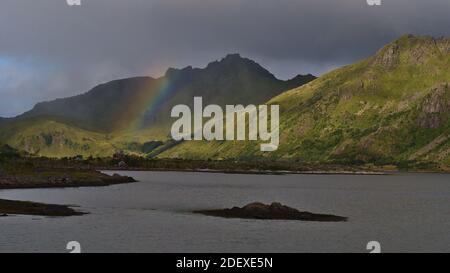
(253, 171)
(52, 178)
(61, 179)
(8, 207)
(274, 211)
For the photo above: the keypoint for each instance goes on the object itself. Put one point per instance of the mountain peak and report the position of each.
(229, 59)
(232, 63)
(171, 71)
(412, 50)
(410, 41)
(300, 80)
(235, 63)
(233, 56)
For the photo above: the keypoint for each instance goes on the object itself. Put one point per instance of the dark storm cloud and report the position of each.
(48, 49)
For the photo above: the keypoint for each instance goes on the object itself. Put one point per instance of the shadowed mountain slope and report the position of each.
(144, 101)
(134, 114)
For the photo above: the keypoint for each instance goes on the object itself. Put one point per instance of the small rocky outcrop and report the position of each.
(433, 106)
(54, 178)
(32, 208)
(122, 164)
(443, 44)
(274, 211)
(438, 101)
(388, 57)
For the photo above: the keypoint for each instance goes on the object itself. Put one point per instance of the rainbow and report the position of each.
(144, 102)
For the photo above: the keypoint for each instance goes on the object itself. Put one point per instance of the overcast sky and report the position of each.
(49, 49)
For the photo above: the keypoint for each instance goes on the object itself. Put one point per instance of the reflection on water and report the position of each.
(407, 212)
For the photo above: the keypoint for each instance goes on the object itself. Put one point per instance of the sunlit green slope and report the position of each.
(392, 107)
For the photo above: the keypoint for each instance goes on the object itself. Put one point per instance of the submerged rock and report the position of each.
(274, 211)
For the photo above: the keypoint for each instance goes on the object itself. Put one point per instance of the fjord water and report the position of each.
(404, 212)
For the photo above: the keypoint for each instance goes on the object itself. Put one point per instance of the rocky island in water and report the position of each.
(274, 211)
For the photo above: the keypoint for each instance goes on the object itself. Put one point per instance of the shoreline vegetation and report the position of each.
(20, 171)
(18, 162)
(123, 161)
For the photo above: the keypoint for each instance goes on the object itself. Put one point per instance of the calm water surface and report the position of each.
(406, 212)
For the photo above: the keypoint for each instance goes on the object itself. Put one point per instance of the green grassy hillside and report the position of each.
(49, 138)
(393, 107)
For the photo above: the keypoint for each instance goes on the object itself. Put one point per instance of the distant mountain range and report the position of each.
(130, 114)
(115, 105)
(391, 108)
